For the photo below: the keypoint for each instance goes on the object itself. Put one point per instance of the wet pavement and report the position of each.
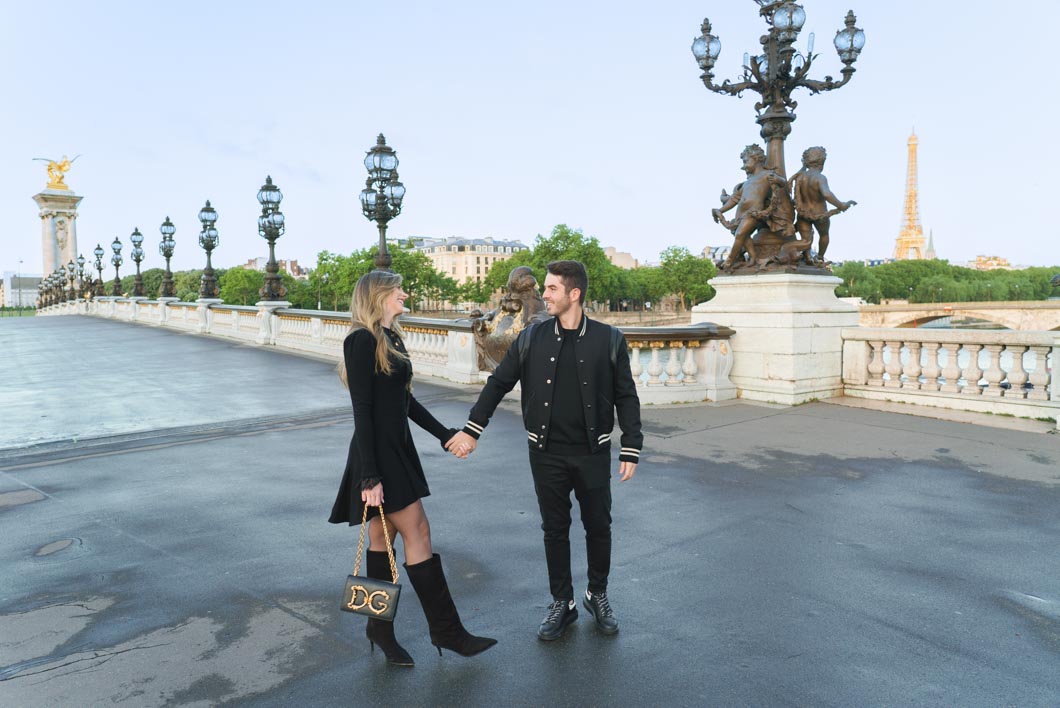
(163, 540)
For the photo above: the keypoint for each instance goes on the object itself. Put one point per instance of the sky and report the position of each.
(511, 118)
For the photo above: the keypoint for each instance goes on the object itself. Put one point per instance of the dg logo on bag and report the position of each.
(377, 602)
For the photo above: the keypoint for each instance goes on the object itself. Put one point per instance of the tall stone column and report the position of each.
(58, 217)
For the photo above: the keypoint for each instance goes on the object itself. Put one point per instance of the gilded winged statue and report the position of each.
(56, 170)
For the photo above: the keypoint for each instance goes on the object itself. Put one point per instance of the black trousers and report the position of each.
(589, 477)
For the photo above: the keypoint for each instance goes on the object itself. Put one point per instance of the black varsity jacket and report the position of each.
(606, 382)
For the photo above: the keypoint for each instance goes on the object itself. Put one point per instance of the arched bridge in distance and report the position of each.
(1036, 315)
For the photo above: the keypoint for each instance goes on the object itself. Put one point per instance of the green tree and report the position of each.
(686, 276)
(241, 286)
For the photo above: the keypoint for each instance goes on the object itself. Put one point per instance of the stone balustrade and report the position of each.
(670, 364)
(988, 371)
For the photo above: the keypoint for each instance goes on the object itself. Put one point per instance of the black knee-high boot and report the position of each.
(378, 631)
(447, 632)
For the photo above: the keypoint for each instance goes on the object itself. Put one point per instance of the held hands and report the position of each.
(373, 496)
(461, 445)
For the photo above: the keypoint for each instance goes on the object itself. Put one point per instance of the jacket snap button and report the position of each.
(552, 358)
(548, 380)
(546, 403)
(588, 405)
(542, 427)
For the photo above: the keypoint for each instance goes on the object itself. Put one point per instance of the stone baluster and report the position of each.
(635, 367)
(952, 372)
(894, 365)
(690, 369)
(1039, 378)
(1018, 375)
(441, 347)
(994, 375)
(673, 366)
(655, 368)
(931, 367)
(912, 369)
(876, 364)
(972, 373)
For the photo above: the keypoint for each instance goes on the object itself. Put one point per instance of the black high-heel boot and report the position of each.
(447, 632)
(378, 631)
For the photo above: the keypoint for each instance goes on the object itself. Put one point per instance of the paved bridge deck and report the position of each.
(177, 551)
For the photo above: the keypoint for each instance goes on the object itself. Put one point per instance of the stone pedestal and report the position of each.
(268, 320)
(58, 216)
(788, 346)
(205, 316)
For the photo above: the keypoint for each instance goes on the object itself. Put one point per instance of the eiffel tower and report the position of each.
(910, 242)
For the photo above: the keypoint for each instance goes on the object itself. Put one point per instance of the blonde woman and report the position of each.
(383, 467)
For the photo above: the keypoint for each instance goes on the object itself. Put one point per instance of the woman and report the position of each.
(383, 461)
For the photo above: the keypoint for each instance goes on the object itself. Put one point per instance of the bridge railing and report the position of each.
(670, 364)
(988, 371)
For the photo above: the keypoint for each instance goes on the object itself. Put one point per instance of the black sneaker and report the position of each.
(597, 604)
(560, 614)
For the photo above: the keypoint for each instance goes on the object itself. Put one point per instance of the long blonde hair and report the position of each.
(366, 310)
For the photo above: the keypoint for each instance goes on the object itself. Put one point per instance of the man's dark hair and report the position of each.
(573, 275)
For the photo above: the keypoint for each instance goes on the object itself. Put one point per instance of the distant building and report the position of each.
(290, 267)
(464, 259)
(990, 263)
(929, 254)
(716, 253)
(623, 260)
(18, 289)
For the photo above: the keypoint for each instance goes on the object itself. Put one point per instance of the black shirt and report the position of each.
(568, 424)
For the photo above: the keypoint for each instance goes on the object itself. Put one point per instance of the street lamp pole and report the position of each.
(209, 240)
(778, 70)
(84, 291)
(383, 193)
(116, 261)
(270, 228)
(71, 274)
(137, 255)
(165, 248)
(18, 277)
(98, 252)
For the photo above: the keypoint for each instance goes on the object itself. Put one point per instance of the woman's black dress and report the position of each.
(382, 446)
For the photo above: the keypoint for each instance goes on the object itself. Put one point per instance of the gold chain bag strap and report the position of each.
(368, 596)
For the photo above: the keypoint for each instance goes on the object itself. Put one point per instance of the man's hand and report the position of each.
(373, 496)
(461, 444)
(626, 470)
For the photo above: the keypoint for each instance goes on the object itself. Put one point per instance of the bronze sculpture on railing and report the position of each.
(761, 228)
(774, 230)
(519, 307)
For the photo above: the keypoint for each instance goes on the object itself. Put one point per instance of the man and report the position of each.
(574, 373)
(812, 197)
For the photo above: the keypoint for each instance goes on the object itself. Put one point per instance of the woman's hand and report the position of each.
(373, 496)
(461, 445)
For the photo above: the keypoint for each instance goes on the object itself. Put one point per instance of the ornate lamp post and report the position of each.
(165, 248)
(57, 286)
(779, 69)
(209, 240)
(270, 227)
(383, 193)
(71, 275)
(116, 261)
(98, 252)
(137, 255)
(83, 289)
